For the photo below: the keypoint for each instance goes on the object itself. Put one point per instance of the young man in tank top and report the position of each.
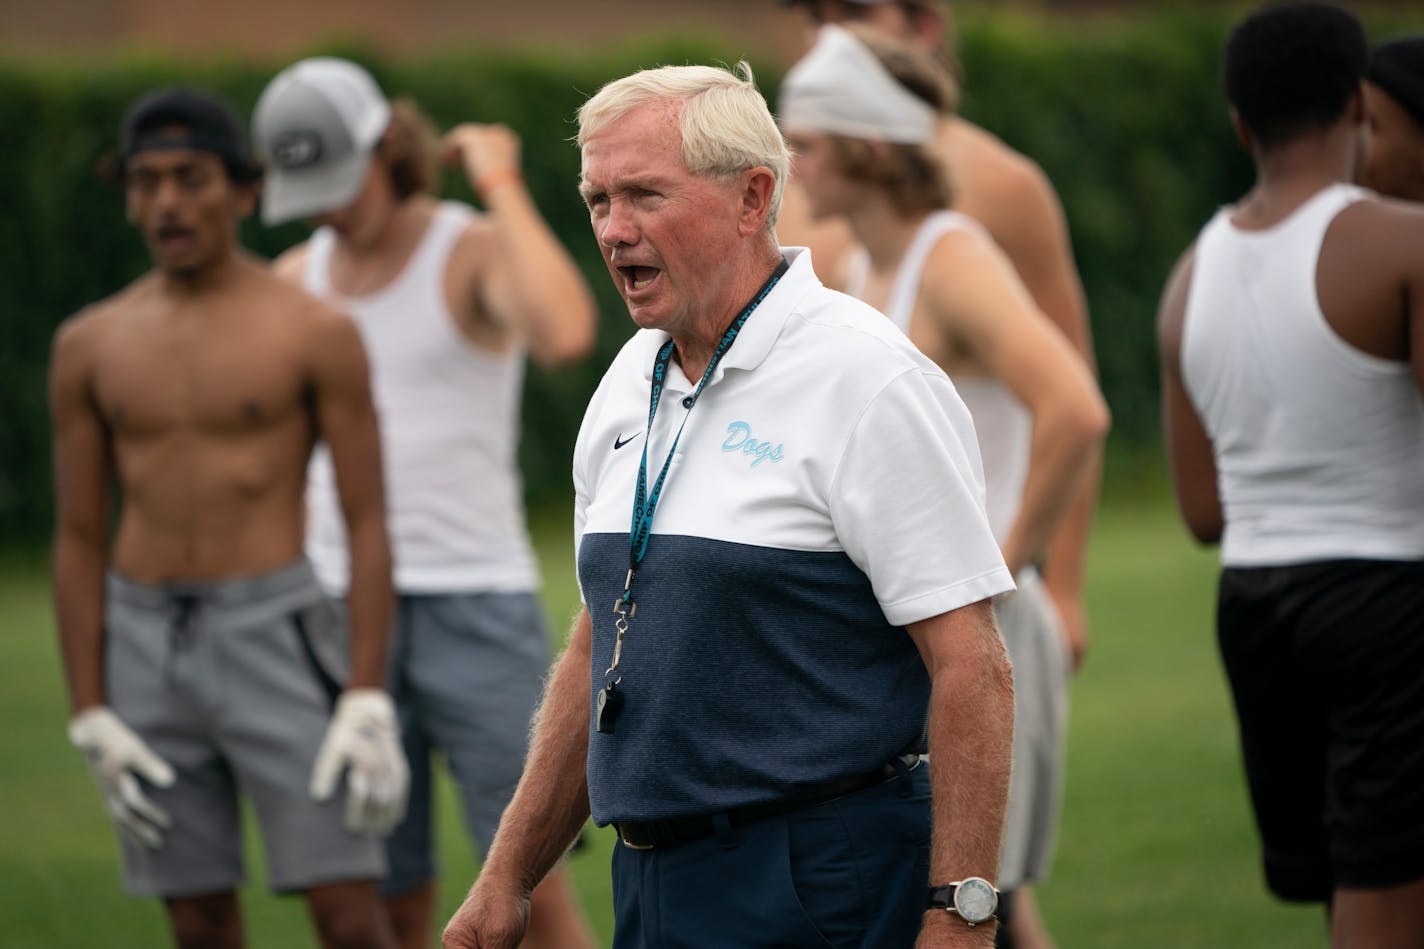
(1008, 194)
(448, 301)
(859, 111)
(1011, 197)
(1292, 341)
(1394, 100)
(209, 659)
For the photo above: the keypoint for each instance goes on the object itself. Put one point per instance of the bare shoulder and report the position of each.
(316, 324)
(324, 326)
(963, 246)
(1372, 242)
(1369, 275)
(80, 335)
(969, 279)
(1377, 224)
(1000, 187)
(1172, 312)
(966, 253)
(994, 178)
(291, 265)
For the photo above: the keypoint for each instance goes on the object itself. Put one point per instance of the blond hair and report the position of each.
(410, 149)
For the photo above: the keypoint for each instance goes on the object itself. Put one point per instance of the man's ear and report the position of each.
(245, 195)
(1355, 109)
(927, 24)
(1243, 134)
(757, 186)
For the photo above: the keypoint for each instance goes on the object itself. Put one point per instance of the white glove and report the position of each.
(363, 739)
(115, 755)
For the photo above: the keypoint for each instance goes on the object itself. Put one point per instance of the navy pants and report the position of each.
(852, 872)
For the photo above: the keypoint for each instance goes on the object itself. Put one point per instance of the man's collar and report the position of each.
(762, 328)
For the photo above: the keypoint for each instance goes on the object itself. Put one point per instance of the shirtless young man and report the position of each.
(448, 300)
(860, 111)
(1009, 195)
(1292, 345)
(208, 659)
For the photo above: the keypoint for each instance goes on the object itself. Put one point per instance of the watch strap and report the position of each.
(942, 897)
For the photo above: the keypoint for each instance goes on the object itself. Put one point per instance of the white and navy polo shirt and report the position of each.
(826, 491)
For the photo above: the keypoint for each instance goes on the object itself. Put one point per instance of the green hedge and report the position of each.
(1124, 114)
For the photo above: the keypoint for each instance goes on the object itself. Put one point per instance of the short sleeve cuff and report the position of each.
(982, 587)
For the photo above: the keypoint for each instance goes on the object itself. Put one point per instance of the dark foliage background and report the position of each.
(1123, 113)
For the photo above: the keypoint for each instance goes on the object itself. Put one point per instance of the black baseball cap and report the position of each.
(1397, 67)
(180, 117)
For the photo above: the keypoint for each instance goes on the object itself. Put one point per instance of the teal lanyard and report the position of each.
(645, 502)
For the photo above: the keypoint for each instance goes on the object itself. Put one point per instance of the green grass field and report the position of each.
(1157, 848)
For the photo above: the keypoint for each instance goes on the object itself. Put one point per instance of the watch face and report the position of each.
(975, 900)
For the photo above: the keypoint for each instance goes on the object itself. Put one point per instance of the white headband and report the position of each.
(841, 87)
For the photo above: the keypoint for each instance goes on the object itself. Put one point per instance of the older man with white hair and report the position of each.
(800, 607)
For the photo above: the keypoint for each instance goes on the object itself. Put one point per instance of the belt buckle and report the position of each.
(623, 839)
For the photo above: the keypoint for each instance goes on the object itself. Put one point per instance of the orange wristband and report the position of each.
(498, 178)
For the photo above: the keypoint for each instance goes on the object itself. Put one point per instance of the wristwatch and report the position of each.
(973, 898)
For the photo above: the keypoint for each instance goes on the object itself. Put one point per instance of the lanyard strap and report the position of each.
(645, 502)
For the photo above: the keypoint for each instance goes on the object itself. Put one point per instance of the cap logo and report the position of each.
(299, 149)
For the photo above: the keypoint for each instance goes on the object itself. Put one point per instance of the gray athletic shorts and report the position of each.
(466, 672)
(232, 683)
(1034, 637)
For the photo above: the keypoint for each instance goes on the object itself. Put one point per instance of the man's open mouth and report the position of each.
(639, 278)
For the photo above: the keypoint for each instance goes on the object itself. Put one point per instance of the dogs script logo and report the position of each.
(739, 438)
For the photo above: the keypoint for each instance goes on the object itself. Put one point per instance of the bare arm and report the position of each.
(1189, 450)
(532, 286)
(346, 419)
(1035, 236)
(82, 473)
(971, 731)
(972, 290)
(548, 808)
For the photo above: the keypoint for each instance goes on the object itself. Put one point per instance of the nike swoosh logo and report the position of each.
(620, 441)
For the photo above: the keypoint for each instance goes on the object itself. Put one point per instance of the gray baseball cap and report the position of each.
(315, 126)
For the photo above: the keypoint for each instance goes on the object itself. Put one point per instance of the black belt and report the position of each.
(645, 835)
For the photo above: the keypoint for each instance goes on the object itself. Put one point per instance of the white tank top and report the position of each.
(1319, 447)
(1001, 422)
(449, 415)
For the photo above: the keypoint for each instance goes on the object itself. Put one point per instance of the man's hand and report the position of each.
(493, 916)
(943, 930)
(117, 758)
(489, 153)
(362, 739)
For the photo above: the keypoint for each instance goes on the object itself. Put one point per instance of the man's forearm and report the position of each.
(78, 567)
(1060, 454)
(1067, 558)
(551, 802)
(970, 737)
(370, 603)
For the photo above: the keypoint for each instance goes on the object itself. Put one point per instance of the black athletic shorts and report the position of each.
(1326, 663)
